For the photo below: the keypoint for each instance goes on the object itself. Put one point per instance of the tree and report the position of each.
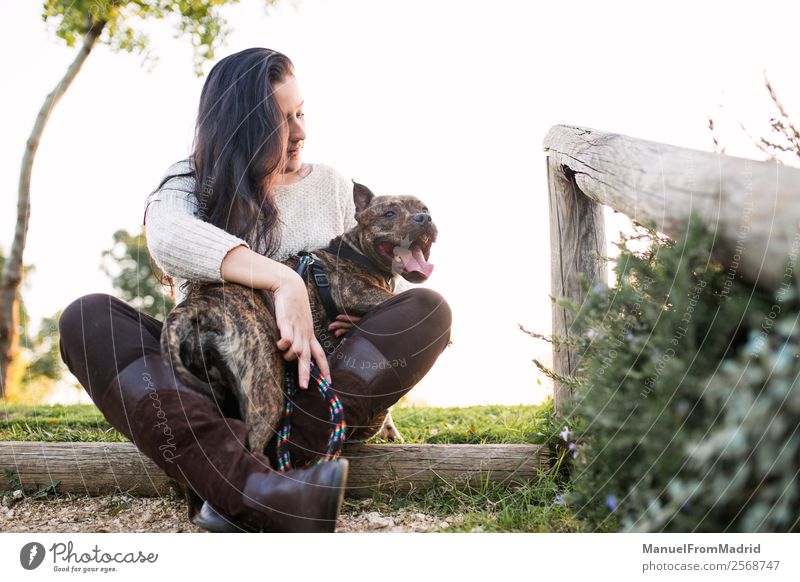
(132, 273)
(41, 356)
(88, 22)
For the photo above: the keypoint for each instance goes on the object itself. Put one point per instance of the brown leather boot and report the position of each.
(185, 434)
(299, 500)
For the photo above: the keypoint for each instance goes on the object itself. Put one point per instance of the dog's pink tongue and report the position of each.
(414, 260)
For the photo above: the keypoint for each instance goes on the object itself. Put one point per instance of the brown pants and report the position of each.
(101, 335)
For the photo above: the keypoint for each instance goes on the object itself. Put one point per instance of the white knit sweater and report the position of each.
(312, 211)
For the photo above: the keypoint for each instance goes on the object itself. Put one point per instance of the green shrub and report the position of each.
(686, 412)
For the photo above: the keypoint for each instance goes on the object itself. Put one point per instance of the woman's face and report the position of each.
(287, 95)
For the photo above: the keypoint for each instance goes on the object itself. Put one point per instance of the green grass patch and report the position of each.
(417, 424)
(56, 423)
(474, 424)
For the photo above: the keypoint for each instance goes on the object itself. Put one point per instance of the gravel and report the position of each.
(123, 513)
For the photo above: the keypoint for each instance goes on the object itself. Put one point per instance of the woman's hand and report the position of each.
(343, 323)
(296, 326)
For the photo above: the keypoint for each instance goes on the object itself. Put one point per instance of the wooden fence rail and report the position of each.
(100, 468)
(752, 205)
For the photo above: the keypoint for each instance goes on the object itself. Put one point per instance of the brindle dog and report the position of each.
(221, 340)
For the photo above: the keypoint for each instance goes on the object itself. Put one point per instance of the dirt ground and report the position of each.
(123, 513)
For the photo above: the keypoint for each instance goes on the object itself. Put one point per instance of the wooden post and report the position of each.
(577, 228)
(751, 205)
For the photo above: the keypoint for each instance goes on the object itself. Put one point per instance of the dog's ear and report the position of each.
(362, 196)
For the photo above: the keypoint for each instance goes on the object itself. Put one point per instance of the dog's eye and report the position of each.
(425, 209)
(389, 213)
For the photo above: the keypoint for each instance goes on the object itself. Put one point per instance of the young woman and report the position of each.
(243, 202)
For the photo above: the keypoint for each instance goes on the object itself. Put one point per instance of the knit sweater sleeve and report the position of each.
(182, 244)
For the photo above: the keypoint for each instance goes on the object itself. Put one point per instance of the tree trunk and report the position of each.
(11, 276)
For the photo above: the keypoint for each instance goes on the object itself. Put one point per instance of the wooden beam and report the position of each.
(577, 236)
(102, 468)
(752, 205)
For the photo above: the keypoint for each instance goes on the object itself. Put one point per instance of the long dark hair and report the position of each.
(240, 145)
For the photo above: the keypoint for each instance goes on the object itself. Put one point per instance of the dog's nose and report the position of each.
(422, 217)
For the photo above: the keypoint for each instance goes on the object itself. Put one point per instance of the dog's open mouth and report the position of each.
(410, 258)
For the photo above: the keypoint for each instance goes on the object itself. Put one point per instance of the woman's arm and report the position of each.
(183, 245)
(292, 308)
(246, 267)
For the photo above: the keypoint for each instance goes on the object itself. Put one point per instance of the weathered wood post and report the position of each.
(751, 205)
(577, 229)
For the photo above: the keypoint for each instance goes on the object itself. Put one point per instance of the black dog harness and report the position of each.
(311, 261)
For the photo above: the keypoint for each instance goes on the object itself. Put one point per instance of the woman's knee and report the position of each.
(82, 310)
(432, 306)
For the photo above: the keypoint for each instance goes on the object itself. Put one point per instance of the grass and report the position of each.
(58, 423)
(470, 425)
(532, 507)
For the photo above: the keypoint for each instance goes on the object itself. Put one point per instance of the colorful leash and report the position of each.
(336, 437)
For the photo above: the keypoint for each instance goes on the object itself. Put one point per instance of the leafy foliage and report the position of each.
(686, 411)
(122, 22)
(14, 484)
(134, 275)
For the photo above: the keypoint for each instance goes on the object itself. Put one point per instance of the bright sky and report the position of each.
(445, 100)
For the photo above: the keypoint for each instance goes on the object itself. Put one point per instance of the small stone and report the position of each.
(7, 501)
(148, 517)
(476, 529)
(376, 521)
(421, 516)
(18, 494)
(444, 524)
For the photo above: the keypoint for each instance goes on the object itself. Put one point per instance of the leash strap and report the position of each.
(335, 411)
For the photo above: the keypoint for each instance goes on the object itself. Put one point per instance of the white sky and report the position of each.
(445, 100)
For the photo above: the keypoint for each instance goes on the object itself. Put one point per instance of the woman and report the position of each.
(239, 205)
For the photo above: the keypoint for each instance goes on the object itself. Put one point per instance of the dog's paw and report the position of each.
(389, 431)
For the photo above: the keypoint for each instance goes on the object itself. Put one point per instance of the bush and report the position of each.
(686, 412)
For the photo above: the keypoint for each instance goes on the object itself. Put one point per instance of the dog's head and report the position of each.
(394, 232)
